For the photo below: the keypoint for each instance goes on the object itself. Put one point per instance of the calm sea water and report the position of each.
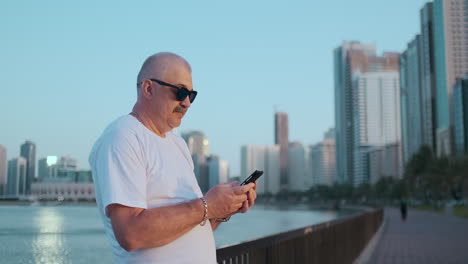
(74, 234)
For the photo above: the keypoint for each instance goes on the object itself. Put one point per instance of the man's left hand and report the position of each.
(251, 196)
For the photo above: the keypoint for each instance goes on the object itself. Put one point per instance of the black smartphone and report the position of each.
(253, 177)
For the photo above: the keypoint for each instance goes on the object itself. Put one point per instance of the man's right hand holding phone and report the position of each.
(227, 199)
(251, 196)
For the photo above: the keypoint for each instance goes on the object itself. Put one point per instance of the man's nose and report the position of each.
(186, 102)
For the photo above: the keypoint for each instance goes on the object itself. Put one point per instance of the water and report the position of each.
(74, 234)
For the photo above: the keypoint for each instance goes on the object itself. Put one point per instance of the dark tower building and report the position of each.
(28, 151)
(281, 139)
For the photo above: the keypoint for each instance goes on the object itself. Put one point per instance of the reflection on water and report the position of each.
(75, 234)
(49, 244)
(52, 234)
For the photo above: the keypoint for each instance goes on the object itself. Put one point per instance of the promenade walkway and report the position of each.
(424, 237)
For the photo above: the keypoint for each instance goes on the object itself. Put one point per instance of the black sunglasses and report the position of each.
(182, 92)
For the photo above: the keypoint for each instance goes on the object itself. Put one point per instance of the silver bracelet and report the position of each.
(223, 219)
(205, 216)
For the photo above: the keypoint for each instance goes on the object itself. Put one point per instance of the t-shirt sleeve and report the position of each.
(120, 171)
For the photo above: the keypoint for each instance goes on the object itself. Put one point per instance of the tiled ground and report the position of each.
(424, 238)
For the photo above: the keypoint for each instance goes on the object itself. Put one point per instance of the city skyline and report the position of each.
(388, 107)
(65, 77)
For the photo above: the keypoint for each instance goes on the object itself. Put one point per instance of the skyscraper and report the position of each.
(47, 168)
(323, 160)
(351, 59)
(377, 113)
(297, 167)
(411, 98)
(200, 169)
(265, 158)
(16, 184)
(450, 33)
(428, 90)
(282, 139)
(3, 169)
(377, 117)
(197, 143)
(218, 171)
(28, 151)
(460, 104)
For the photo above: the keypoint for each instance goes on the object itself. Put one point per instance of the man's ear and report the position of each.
(147, 89)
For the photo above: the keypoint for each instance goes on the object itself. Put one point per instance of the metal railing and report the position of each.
(336, 241)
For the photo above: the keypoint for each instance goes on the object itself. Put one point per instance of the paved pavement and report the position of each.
(424, 237)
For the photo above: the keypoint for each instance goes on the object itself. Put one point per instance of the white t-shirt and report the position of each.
(134, 167)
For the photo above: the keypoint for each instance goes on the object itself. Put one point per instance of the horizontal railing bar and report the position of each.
(280, 237)
(243, 249)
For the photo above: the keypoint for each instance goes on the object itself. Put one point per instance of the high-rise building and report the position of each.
(282, 139)
(377, 113)
(460, 104)
(197, 143)
(272, 177)
(308, 164)
(28, 151)
(47, 168)
(329, 134)
(343, 73)
(352, 58)
(428, 90)
(200, 169)
(376, 117)
(16, 184)
(323, 160)
(3, 169)
(265, 158)
(450, 32)
(384, 161)
(253, 158)
(411, 98)
(218, 171)
(298, 169)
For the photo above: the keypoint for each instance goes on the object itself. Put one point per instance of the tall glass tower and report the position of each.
(428, 90)
(450, 33)
(350, 60)
(28, 151)
(412, 98)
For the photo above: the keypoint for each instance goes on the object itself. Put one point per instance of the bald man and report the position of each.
(148, 197)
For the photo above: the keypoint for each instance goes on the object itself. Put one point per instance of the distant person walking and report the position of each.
(403, 209)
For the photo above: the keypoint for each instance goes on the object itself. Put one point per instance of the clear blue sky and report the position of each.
(68, 68)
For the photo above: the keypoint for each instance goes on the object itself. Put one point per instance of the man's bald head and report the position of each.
(156, 66)
(157, 103)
